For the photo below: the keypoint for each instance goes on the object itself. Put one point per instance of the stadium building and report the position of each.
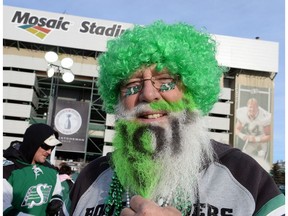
(74, 108)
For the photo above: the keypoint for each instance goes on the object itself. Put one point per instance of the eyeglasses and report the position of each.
(46, 147)
(162, 83)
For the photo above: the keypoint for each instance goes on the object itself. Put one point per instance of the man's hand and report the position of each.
(144, 207)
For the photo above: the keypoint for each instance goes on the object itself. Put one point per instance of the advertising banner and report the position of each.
(71, 120)
(253, 119)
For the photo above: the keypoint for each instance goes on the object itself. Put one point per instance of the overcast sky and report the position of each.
(241, 18)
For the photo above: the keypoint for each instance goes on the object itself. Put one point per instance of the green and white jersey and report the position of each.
(28, 188)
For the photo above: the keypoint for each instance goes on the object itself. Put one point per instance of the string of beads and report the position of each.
(116, 191)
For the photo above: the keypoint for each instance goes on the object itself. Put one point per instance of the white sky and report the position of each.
(241, 18)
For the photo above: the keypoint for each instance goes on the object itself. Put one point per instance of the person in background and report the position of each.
(31, 185)
(253, 127)
(161, 80)
(65, 172)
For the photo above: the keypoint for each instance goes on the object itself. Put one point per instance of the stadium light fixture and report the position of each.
(64, 68)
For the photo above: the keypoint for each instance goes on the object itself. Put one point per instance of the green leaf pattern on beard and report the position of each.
(133, 158)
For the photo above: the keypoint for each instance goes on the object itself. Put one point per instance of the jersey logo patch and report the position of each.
(37, 195)
(37, 171)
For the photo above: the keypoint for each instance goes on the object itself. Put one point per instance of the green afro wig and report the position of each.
(179, 47)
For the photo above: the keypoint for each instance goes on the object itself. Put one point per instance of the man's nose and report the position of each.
(149, 93)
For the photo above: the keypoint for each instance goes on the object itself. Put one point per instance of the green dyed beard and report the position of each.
(135, 163)
(133, 158)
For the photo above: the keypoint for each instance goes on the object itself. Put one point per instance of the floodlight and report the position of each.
(51, 57)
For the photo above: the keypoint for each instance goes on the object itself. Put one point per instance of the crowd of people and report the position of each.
(160, 81)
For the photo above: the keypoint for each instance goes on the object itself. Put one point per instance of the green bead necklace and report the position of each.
(115, 199)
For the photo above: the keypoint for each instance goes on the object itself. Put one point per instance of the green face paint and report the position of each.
(186, 102)
(133, 158)
(132, 90)
(167, 86)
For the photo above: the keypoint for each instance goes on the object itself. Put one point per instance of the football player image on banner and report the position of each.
(253, 123)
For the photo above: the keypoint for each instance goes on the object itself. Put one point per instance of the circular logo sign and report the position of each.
(68, 121)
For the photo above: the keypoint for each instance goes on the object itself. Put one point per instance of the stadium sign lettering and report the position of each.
(92, 28)
(26, 18)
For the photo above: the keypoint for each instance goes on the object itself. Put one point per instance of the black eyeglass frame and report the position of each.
(123, 85)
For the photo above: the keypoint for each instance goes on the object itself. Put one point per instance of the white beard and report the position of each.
(179, 169)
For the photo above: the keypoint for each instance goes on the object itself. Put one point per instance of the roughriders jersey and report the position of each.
(234, 185)
(28, 187)
(254, 126)
(67, 184)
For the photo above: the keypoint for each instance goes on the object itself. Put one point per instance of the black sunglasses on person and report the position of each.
(46, 147)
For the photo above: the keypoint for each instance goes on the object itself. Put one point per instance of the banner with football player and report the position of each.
(253, 127)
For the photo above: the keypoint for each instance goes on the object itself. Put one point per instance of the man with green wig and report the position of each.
(160, 81)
